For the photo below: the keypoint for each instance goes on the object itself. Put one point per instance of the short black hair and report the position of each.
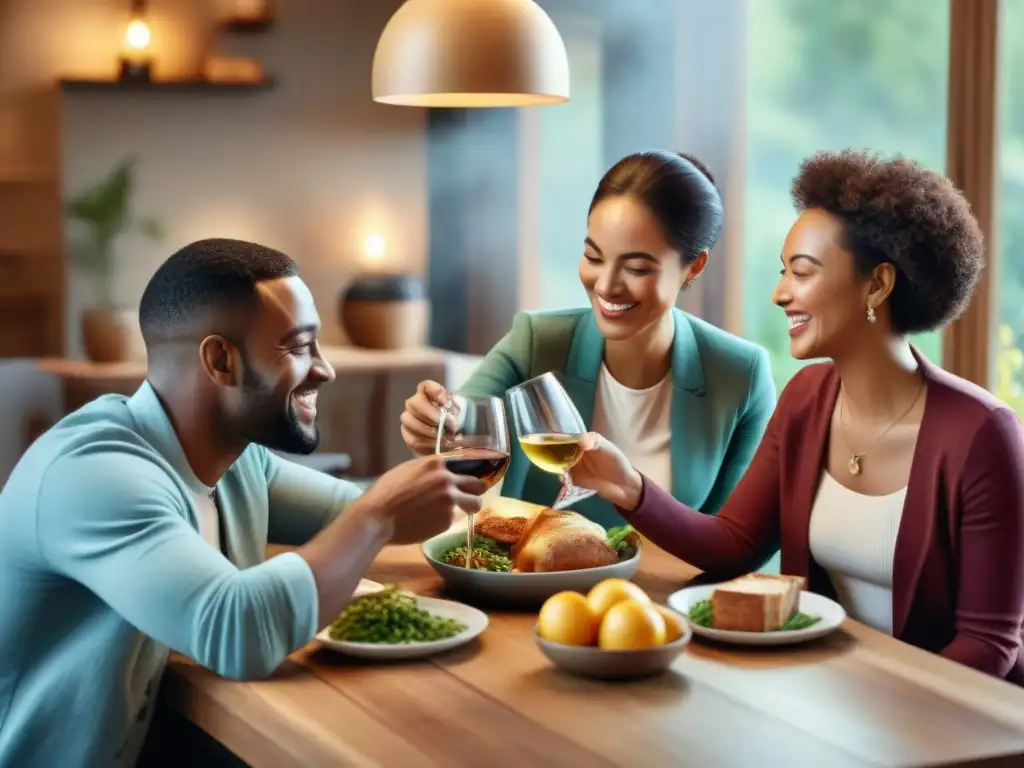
(895, 211)
(677, 189)
(205, 276)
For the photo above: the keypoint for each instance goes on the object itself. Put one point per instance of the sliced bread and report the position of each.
(757, 602)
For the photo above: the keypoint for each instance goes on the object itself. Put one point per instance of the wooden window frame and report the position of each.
(972, 163)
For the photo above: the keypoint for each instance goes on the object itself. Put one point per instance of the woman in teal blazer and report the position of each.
(690, 400)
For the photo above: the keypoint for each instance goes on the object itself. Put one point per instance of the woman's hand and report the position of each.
(422, 412)
(606, 469)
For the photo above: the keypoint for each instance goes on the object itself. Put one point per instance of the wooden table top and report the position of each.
(855, 698)
(348, 360)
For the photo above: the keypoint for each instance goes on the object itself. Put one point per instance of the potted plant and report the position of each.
(109, 333)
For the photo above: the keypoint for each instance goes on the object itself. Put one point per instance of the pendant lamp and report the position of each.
(470, 53)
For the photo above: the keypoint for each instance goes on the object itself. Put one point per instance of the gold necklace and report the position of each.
(854, 463)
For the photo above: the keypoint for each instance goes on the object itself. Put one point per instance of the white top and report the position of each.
(853, 537)
(209, 517)
(639, 422)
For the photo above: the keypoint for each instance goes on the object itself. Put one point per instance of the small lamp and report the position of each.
(384, 311)
(136, 61)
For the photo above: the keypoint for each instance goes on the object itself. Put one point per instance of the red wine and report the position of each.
(484, 463)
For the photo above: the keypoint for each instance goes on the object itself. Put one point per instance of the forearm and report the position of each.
(303, 501)
(341, 554)
(989, 657)
(711, 544)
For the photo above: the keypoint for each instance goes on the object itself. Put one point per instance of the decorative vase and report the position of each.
(381, 311)
(112, 335)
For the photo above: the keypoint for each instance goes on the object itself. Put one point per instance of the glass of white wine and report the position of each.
(550, 430)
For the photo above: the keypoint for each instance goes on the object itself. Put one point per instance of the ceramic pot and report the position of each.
(385, 312)
(112, 335)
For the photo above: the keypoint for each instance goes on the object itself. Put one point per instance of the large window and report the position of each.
(570, 165)
(869, 74)
(1007, 380)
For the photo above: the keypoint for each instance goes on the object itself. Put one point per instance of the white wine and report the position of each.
(553, 452)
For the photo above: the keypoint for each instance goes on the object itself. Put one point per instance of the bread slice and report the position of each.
(757, 602)
(505, 520)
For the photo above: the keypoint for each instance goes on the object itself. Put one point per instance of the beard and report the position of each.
(273, 424)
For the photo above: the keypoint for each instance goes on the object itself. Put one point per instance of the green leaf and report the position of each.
(105, 208)
(151, 228)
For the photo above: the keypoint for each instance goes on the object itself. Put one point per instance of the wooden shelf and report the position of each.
(246, 26)
(26, 176)
(195, 85)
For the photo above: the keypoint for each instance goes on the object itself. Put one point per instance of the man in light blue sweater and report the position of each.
(139, 524)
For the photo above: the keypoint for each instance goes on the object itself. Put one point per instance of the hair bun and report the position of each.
(698, 165)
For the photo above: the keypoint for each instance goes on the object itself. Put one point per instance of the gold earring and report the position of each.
(871, 314)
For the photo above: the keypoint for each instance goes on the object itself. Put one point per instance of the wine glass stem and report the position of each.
(566, 481)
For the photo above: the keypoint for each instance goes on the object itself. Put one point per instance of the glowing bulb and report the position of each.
(373, 246)
(137, 35)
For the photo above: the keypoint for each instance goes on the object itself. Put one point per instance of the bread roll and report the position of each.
(562, 541)
(757, 602)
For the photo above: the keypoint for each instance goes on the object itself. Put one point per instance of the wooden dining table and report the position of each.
(854, 698)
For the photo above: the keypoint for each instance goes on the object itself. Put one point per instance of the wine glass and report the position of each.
(550, 430)
(477, 444)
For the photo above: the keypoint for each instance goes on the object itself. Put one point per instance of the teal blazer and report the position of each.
(722, 398)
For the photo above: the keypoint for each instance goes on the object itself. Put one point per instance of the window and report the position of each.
(1007, 358)
(570, 166)
(825, 76)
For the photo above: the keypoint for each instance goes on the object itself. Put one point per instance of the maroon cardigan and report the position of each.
(958, 572)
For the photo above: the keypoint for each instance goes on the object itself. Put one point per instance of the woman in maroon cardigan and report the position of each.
(891, 485)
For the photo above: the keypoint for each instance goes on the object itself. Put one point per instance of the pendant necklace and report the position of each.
(855, 458)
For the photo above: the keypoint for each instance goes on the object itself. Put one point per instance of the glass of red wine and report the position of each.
(472, 436)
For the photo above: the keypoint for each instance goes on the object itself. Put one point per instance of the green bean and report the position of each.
(390, 617)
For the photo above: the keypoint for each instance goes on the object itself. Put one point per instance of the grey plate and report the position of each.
(589, 661)
(516, 588)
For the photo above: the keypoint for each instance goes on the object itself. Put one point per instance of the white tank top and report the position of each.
(853, 538)
(639, 422)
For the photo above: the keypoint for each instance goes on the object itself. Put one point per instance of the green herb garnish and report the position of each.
(701, 615)
(619, 540)
(488, 555)
(390, 617)
(800, 621)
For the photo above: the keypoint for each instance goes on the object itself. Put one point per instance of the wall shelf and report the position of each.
(30, 175)
(194, 85)
(246, 26)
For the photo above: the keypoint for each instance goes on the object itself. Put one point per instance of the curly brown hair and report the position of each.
(898, 212)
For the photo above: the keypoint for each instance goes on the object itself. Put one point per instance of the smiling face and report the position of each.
(631, 273)
(824, 297)
(282, 370)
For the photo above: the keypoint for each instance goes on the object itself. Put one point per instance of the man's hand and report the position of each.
(422, 411)
(417, 499)
(605, 469)
(410, 503)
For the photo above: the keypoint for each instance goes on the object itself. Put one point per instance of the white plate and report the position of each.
(831, 613)
(526, 589)
(475, 621)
